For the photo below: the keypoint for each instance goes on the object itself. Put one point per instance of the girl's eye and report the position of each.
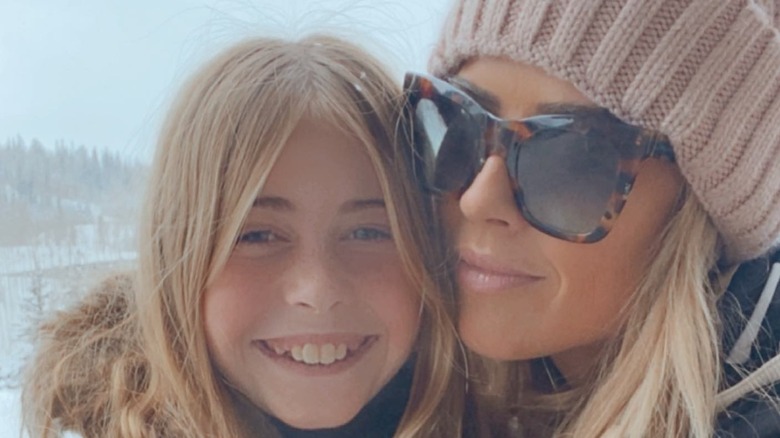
(371, 234)
(258, 236)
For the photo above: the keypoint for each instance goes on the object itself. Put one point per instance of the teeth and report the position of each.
(312, 354)
(297, 353)
(341, 351)
(327, 354)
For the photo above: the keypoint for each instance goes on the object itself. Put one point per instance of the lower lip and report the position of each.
(301, 368)
(472, 279)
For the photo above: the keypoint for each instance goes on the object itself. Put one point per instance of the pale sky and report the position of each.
(101, 72)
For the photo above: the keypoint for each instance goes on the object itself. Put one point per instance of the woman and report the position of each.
(605, 167)
(287, 281)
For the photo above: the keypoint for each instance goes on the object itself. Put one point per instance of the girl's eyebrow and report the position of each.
(281, 204)
(484, 98)
(362, 204)
(273, 203)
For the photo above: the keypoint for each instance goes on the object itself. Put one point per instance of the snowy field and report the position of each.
(36, 281)
(10, 424)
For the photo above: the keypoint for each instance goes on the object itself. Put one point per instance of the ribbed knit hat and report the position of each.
(704, 72)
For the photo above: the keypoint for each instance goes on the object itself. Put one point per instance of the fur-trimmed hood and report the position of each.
(89, 369)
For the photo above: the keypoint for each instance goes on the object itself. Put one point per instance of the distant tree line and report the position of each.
(67, 214)
(46, 193)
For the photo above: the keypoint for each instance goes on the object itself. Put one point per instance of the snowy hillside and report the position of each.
(67, 217)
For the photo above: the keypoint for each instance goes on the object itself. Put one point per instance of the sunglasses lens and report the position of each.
(566, 179)
(450, 137)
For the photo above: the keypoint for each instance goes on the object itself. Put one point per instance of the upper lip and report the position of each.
(286, 343)
(490, 264)
(320, 338)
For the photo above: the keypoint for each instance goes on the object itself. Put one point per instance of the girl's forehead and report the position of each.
(320, 162)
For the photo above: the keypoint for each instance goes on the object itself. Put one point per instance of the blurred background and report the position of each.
(84, 85)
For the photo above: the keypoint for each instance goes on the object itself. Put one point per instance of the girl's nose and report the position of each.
(314, 284)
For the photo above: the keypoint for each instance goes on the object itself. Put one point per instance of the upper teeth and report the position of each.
(312, 354)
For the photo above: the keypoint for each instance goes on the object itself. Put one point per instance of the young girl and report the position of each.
(286, 281)
(605, 168)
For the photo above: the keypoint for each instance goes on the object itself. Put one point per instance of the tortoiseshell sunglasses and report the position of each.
(571, 173)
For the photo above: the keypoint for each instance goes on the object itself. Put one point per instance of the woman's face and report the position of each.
(525, 294)
(313, 313)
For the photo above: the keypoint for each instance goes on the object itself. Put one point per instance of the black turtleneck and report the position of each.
(378, 419)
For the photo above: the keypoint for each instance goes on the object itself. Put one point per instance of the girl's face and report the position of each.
(313, 313)
(525, 294)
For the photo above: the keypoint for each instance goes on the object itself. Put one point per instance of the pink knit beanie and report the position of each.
(704, 72)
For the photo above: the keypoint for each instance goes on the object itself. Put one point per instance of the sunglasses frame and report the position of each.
(633, 144)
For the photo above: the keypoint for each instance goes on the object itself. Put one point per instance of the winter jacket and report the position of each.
(750, 311)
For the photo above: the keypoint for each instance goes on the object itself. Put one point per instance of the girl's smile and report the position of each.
(317, 355)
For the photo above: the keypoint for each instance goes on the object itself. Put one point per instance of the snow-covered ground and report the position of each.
(10, 415)
(10, 411)
(37, 280)
(87, 248)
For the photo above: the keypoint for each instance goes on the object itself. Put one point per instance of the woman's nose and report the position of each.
(490, 198)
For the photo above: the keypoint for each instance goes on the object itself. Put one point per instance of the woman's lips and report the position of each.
(483, 274)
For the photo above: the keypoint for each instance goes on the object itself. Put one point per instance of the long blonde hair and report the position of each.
(216, 149)
(659, 376)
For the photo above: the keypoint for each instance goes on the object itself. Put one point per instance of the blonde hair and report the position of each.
(660, 375)
(216, 149)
